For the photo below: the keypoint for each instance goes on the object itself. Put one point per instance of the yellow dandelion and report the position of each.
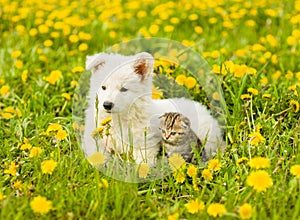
(18, 184)
(54, 76)
(19, 64)
(48, 166)
(245, 96)
(12, 169)
(241, 160)
(216, 209)
(266, 96)
(259, 162)
(194, 206)
(192, 171)
(206, 174)
(106, 121)
(198, 30)
(180, 79)
(96, 159)
(259, 180)
(35, 152)
(256, 138)
(40, 205)
(4, 90)
(24, 76)
(16, 54)
(295, 170)
(245, 211)
(190, 82)
(97, 131)
(2, 196)
(83, 47)
(144, 170)
(54, 127)
(252, 91)
(67, 96)
(26, 146)
(176, 161)
(78, 69)
(174, 216)
(179, 177)
(295, 105)
(216, 96)
(61, 135)
(73, 38)
(156, 93)
(214, 165)
(103, 183)
(48, 43)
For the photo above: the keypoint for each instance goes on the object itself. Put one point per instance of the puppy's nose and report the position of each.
(108, 105)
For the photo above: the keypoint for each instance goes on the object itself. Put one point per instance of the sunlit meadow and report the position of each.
(253, 48)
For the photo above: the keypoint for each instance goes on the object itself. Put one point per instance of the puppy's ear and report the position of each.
(143, 65)
(94, 62)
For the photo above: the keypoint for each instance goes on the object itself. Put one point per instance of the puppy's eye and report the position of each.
(123, 89)
(103, 87)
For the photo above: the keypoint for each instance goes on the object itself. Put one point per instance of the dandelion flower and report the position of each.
(256, 138)
(206, 174)
(12, 169)
(245, 211)
(83, 47)
(266, 96)
(260, 180)
(173, 216)
(54, 76)
(4, 90)
(16, 54)
(216, 209)
(252, 91)
(179, 177)
(35, 152)
(96, 159)
(67, 96)
(105, 121)
(18, 184)
(194, 206)
(41, 205)
(24, 76)
(26, 146)
(214, 165)
(295, 105)
(48, 166)
(54, 127)
(295, 170)
(143, 170)
(156, 93)
(19, 64)
(259, 162)
(104, 183)
(78, 69)
(241, 160)
(245, 96)
(176, 161)
(61, 135)
(191, 171)
(190, 82)
(1, 196)
(180, 79)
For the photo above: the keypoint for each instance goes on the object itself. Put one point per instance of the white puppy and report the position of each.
(123, 87)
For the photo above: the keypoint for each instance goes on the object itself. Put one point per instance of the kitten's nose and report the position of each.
(108, 105)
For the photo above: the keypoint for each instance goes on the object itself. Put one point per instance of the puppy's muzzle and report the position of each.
(108, 105)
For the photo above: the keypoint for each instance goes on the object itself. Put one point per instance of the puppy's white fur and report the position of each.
(127, 83)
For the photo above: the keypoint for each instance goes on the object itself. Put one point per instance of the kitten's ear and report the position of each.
(186, 121)
(95, 61)
(143, 65)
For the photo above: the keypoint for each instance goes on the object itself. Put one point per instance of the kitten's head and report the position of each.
(173, 126)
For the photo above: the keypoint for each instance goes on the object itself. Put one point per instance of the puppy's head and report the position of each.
(129, 80)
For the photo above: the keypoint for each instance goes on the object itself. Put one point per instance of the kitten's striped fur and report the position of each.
(178, 136)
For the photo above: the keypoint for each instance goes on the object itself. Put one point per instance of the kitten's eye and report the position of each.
(123, 89)
(103, 87)
(180, 133)
(173, 133)
(162, 130)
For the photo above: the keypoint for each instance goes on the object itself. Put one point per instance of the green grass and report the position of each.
(75, 188)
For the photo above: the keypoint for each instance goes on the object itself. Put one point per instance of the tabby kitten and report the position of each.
(178, 136)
